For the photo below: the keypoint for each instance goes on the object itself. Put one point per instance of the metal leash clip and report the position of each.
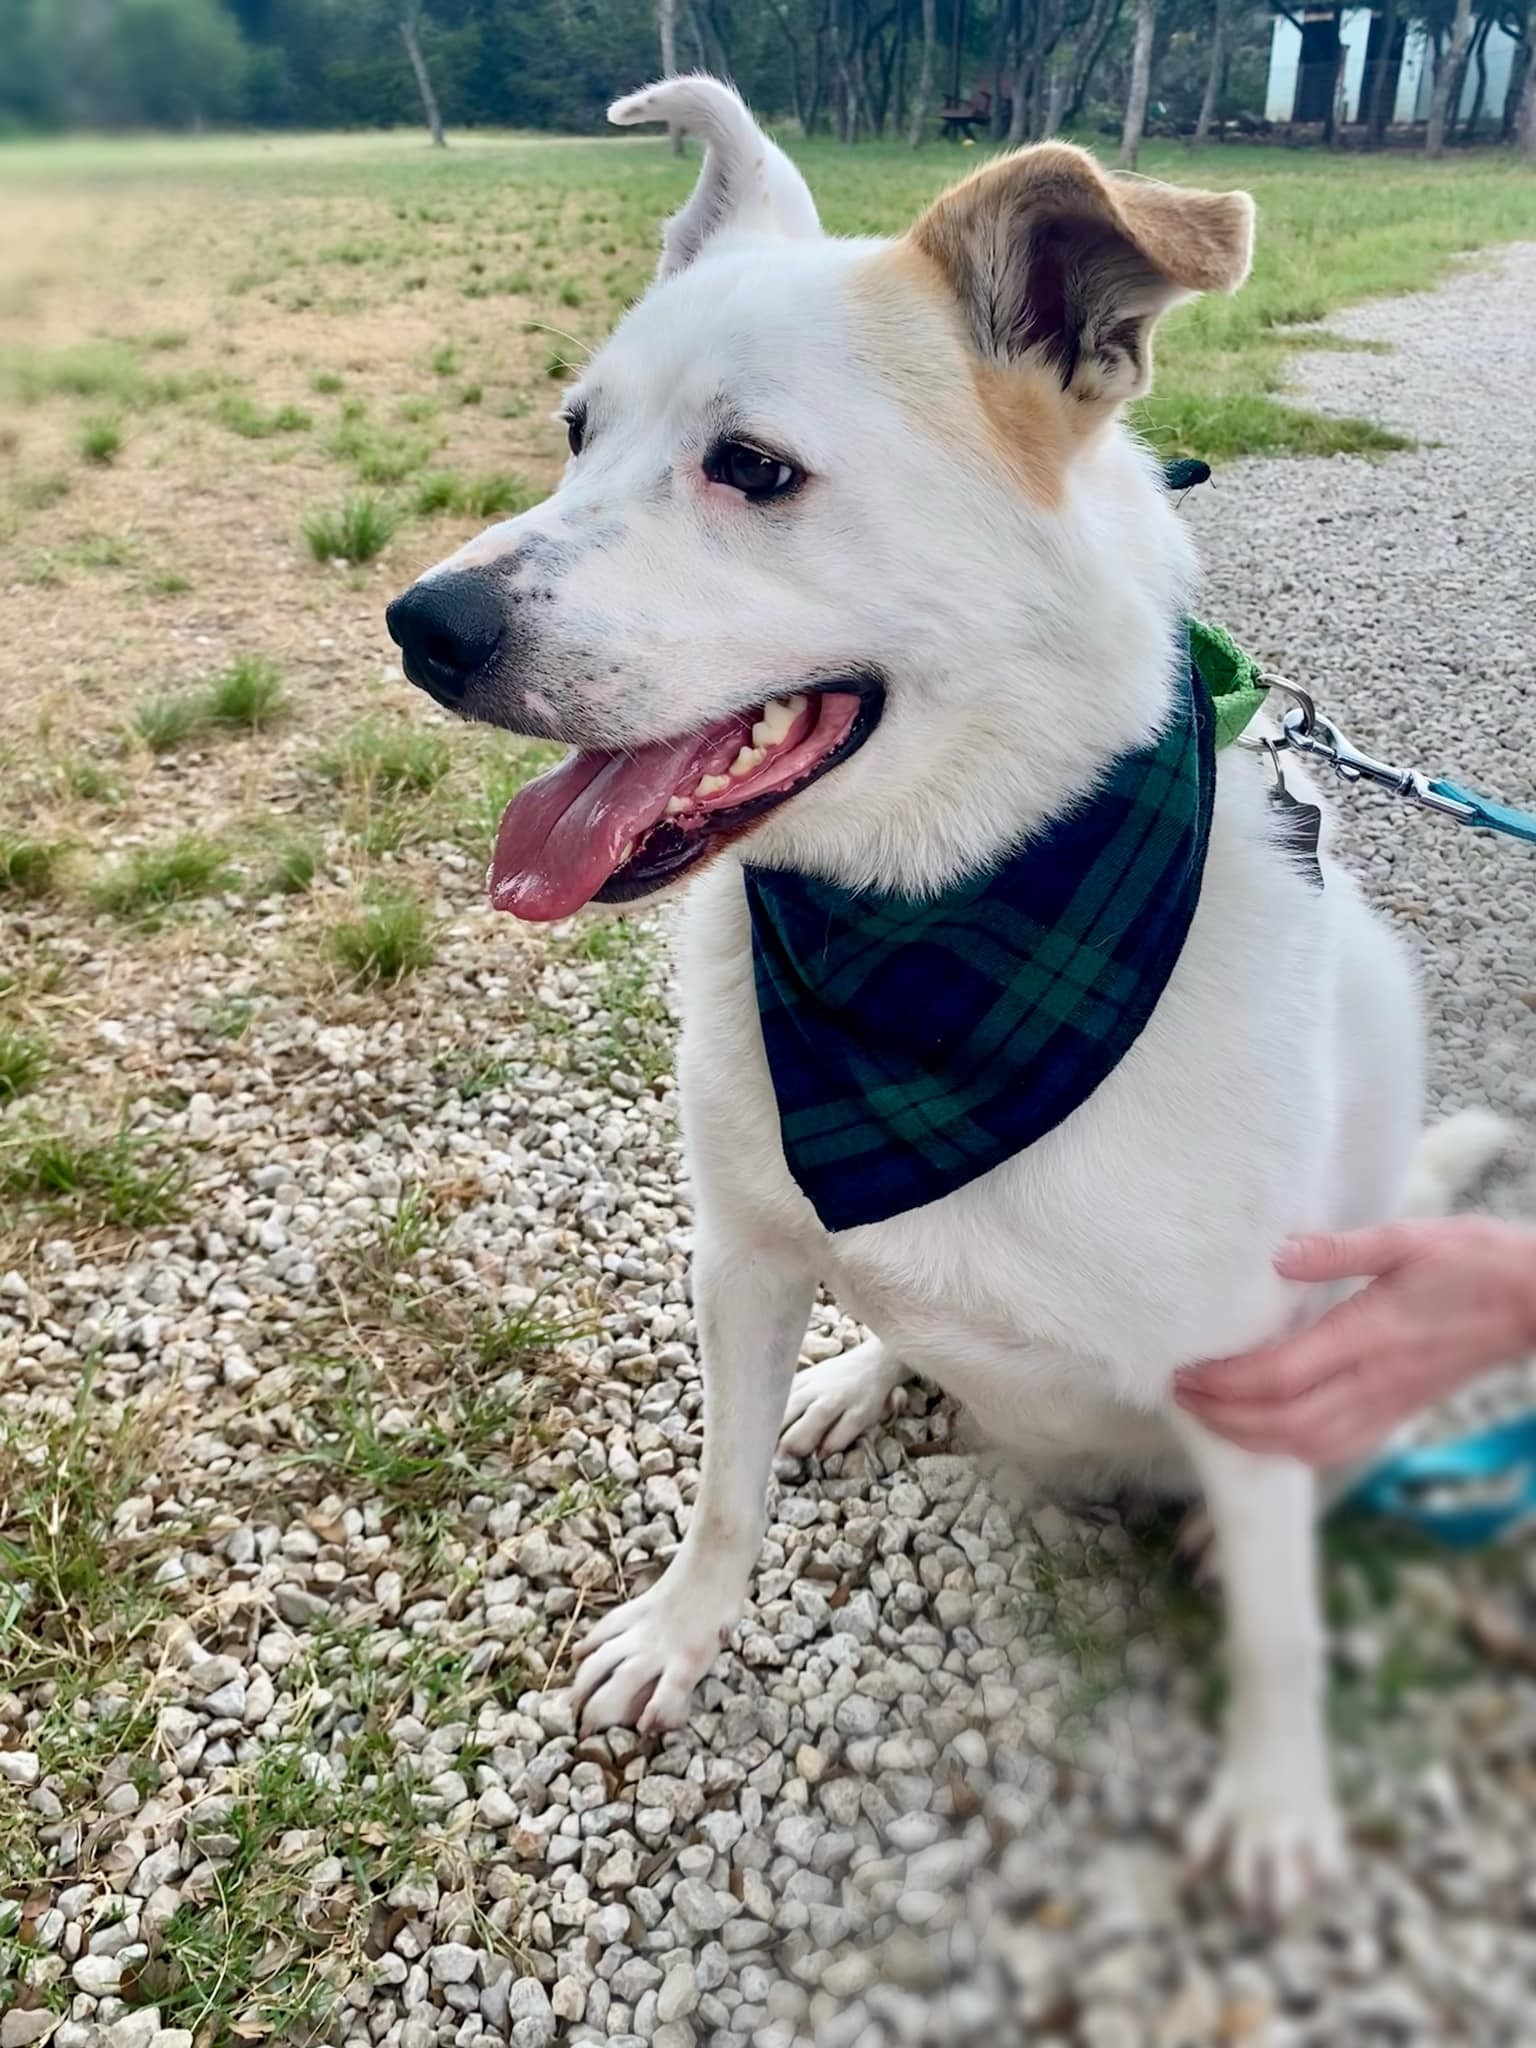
(1307, 732)
(1304, 730)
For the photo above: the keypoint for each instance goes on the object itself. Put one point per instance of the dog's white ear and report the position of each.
(1059, 265)
(746, 181)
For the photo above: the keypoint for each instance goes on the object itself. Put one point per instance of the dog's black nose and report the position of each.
(447, 628)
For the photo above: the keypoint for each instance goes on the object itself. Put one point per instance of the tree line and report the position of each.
(1006, 70)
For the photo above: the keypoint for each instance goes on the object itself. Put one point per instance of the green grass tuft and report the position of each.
(80, 775)
(23, 1062)
(79, 1589)
(167, 583)
(378, 454)
(248, 696)
(101, 439)
(488, 497)
(440, 490)
(238, 411)
(499, 497)
(375, 758)
(360, 529)
(152, 878)
(293, 868)
(28, 867)
(105, 1179)
(389, 939)
(165, 723)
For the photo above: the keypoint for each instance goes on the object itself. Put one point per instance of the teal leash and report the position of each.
(1465, 1493)
(1487, 815)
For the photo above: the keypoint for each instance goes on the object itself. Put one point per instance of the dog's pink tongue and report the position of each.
(563, 836)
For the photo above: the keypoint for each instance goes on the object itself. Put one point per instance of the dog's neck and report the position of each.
(1066, 670)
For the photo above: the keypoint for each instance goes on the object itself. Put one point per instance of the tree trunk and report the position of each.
(887, 48)
(956, 36)
(997, 126)
(1141, 85)
(924, 91)
(1023, 75)
(1331, 118)
(1215, 77)
(1102, 24)
(1519, 71)
(1479, 57)
(423, 81)
(666, 21)
(1056, 103)
(1448, 80)
(899, 119)
(1384, 84)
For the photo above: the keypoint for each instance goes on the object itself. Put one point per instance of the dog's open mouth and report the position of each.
(610, 827)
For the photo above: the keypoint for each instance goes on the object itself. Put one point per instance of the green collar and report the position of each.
(1231, 678)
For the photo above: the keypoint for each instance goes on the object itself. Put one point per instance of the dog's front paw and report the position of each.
(1277, 1844)
(832, 1403)
(639, 1665)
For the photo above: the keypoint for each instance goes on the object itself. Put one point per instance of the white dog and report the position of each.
(855, 575)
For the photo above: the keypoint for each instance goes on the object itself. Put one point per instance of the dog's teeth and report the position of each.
(748, 759)
(779, 715)
(676, 805)
(711, 785)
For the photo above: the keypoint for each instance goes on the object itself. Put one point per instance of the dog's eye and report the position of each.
(576, 428)
(750, 471)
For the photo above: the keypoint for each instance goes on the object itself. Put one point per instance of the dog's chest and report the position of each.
(992, 1287)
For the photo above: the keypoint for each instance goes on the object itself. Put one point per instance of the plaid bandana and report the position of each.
(914, 1045)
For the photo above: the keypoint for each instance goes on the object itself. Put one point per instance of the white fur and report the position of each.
(1276, 1088)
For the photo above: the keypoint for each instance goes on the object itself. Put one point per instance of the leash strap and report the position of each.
(1466, 1493)
(1489, 816)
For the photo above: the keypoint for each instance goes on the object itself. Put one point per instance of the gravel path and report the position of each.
(933, 1793)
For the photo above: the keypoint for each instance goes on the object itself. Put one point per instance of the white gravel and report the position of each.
(932, 1794)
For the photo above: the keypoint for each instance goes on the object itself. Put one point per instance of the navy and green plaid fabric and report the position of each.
(915, 1045)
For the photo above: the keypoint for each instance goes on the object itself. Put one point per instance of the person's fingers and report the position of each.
(1325, 1427)
(1280, 1372)
(1343, 1255)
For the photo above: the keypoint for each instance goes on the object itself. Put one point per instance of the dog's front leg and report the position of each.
(642, 1661)
(1272, 1806)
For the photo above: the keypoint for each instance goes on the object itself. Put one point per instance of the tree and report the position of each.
(1520, 72)
(1383, 83)
(423, 77)
(1141, 84)
(667, 24)
(1448, 76)
(170, 63)
(1215, 77)
(1077, 76)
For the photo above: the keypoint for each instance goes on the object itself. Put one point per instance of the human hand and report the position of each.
(1447, 1299)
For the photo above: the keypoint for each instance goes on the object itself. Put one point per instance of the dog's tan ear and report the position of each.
(1057, 264)
(746, 182)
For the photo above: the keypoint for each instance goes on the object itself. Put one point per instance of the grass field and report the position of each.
(247, 389)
